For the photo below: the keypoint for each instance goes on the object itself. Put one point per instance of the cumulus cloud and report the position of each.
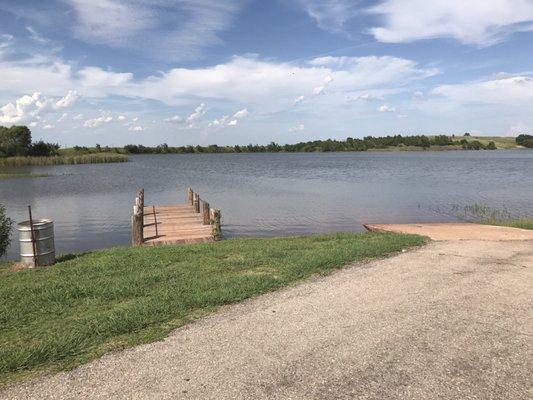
(476, 22)
(23, 108)
(67, 101)
(241, 114)
(369, 97)
(299, 99)
(386, 109)
(197, 114)
(418, 95)
(121, 118)
(96, 122)
(176, 119)
(63, 117)
(297, 128)
(136, 128)
(48, 126)
(233, 122)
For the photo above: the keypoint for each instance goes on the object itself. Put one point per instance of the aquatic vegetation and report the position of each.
(96, 158)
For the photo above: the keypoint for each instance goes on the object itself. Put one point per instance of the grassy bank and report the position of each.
(484, 214)
(21, 175)
(96, 158)
(59, 317)
(523, 223)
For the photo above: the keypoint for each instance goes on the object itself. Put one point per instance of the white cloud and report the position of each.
(330, 15)
(297, 128)
(136, 128)
(299, 99)
(96, 122)
(77, 117)
(63, 117)
(67, 101)
(500, 90)
(418, 95)
(121, 118)
(386, 109)
(233, 122)
(241, 114)
(48, 126)
(169, 29)
(318, 90)
(23, 108)
(218, 122)
(176, 119)
(477, 22)
(369, 97)
(197, 114)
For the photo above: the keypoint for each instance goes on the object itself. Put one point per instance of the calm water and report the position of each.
(272, 194)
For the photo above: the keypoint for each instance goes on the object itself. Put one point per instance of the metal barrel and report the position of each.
(44, 242)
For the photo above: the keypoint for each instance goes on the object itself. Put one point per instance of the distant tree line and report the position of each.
(350, 144)
(16, 141)
(525, 140)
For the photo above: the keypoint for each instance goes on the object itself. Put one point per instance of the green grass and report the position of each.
(484, 214)
(58, 317)
(501, 142)
(21, 175)
(96, 158)
(522, 223)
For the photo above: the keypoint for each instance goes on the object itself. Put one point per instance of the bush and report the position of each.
(491, 146)
(43, 149)
(525, 140)
(6, 224)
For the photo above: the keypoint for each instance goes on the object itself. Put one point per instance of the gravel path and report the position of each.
(452, 320)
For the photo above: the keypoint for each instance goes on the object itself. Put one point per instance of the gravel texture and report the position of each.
(451, 320)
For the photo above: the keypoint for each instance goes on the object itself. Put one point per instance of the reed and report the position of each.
(96, 158)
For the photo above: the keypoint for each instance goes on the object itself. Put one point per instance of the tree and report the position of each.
(524, 140)
(466, 134)
(43, 149)
(15, 141)
(6, 224)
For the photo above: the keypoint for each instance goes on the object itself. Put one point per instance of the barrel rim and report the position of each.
(38, 224)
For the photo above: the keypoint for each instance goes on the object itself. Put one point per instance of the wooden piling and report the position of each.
(190, 196)
(137, 220)
(196, 203)
(216, 214)
(205, 211)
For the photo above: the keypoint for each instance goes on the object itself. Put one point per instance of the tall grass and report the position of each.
(58, 317)
(493, 216)
(96, 158)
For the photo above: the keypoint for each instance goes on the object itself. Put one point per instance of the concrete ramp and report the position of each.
(456, 231)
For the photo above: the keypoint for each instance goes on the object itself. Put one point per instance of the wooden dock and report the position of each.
(193, 222)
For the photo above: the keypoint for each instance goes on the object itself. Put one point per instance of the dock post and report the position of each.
(190, 196)
(196, 203)
(217, 233)
(137, 220)
(205, 211)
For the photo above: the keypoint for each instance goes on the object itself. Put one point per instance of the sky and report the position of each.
(188, 72)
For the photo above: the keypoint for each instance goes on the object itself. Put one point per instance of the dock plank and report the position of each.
(174, 224)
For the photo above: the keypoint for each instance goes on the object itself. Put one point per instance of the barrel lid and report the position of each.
(37, 224)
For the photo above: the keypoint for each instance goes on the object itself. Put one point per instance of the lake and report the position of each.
(269, 194)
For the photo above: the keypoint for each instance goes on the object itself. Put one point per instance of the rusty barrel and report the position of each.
(44, 242)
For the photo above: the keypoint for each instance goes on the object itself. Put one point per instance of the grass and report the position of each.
(95, 158)
(484, 214)
(21, 175)
(86, 305)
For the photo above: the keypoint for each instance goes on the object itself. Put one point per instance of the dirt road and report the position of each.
(452, 320)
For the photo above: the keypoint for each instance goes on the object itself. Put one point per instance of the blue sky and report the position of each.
(237, 72)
